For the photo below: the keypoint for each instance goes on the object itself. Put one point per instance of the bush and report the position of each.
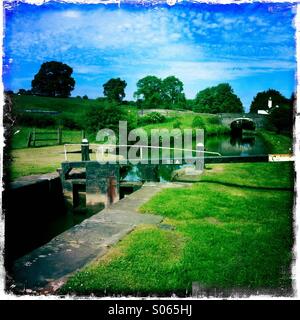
(25, 92)
(177, 124)
(36, 120)
(85, 97)
(132, 119)
(281, 118)
(198, 122)
(214, 120)
(106, 116)
(70, 123)
(152, 117)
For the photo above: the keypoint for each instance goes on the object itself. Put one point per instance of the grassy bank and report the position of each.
(225, 233)
(279, 143)
(68, 106)
(185, 121)
(37, 161)
(20, 137)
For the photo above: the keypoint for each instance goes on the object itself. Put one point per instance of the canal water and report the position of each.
(248, 144)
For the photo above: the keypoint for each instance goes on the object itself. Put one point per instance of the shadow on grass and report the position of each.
(236, 185)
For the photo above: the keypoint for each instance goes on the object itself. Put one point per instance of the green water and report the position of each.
(237, 146)
(225, 145)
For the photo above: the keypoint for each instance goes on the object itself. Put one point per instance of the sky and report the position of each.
(250, 46)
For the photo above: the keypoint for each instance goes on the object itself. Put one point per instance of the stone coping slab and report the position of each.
(74, 248)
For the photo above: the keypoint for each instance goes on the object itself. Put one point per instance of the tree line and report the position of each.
(54, 79)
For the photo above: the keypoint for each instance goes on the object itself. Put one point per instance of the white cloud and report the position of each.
(221, 71)
(87, 69)
(71, 14)
(194, 46)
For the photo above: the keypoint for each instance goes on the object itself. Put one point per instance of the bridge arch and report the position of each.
(260, 120)
(240, 124)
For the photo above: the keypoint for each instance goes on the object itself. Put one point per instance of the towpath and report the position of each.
(46, 268)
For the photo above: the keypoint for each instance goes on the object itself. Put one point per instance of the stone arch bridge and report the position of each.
(228, 118)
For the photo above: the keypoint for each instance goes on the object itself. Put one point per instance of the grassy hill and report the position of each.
(65, 105)
(70, 111)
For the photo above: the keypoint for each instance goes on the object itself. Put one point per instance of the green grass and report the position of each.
(224, 236)
(20, 138)
(46, 156)
(71, 105)
(36, 161)
(66, 105)
(72, 111)
(72, 108)
(186, 121)
(280, 143)
(244, 175)
(31, 161)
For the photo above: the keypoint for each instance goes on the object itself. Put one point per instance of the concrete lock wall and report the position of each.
(28, 206)
(101, 183)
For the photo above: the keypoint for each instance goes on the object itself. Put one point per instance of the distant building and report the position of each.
(270, 104)
(262, 112)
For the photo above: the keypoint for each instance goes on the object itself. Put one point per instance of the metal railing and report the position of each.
(104, 147)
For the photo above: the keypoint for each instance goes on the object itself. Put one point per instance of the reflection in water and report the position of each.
(149, 172)
(237, 145)
(239, 141)
(242, 145)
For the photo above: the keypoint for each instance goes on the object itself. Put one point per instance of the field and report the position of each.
(232, 230)
(69, 106)
(279, 143)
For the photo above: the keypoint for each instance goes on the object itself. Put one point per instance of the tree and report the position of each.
(24, 92)
(149, 90)
(114, 89)
(217, 99)
(107, 116)
(204, 101)
(281, 118)
(172, 92)
(260, 101)
(53, 80)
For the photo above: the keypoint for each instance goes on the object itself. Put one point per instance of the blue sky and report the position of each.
(250, 46)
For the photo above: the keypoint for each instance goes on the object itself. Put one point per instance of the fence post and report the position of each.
(59, 136)
(29, 139)
(33, 140)
(82, 134)
(85, 150)
(200, 157)
(141, 154)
